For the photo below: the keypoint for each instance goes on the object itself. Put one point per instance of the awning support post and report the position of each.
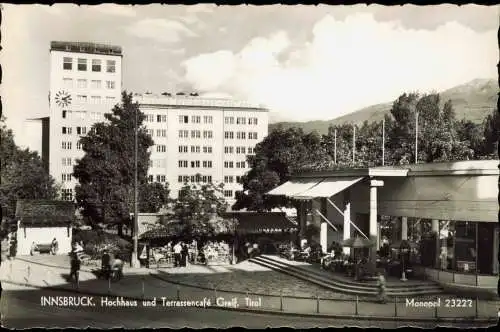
(328, 221)
(342, 213)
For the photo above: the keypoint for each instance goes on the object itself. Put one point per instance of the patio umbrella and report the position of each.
(358, 242)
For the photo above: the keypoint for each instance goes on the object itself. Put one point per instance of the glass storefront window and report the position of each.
(465, 247)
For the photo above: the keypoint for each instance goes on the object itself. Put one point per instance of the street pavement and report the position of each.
(50, 271)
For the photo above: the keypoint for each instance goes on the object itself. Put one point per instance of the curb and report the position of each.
(279, 313)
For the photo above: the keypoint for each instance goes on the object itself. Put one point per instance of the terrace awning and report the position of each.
(309, 188)
(295, 186)
(328, 187)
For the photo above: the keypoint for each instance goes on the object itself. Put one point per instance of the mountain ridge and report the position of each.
(473, 101)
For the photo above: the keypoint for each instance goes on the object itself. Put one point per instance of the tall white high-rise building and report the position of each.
(201, 140)
(85, 83)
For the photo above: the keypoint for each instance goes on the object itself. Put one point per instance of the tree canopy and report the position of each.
(106, 171)
(441, 137)
(23, 175)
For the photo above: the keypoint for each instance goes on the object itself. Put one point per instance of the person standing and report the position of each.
(177, 254)
(106, 263)
(75, 266)
(184, 254)
(55, 246)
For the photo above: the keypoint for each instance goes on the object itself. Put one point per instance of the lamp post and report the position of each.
(135, 261)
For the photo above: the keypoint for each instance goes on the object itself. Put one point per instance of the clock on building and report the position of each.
(63, 98)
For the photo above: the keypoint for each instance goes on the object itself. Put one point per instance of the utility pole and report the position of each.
(335, 146)
(135, 260)
(416, 137)
(353, 144)
(383, 142)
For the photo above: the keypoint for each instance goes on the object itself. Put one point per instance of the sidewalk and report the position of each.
(149, 284)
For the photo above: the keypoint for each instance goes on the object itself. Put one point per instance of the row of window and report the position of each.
(194, 149)
(159, 132)
(207, 119)
(159, 118)
(207, 134)
(65, 145)
(82, 64)
(240, 135)
(195, 164)
(239, 150)
(159, 178)
(82, 83)
(158, 163)
(240, 120)
(67, 162)
(230, 179)
(228, 193)
(194, 178)
(66, 177)
(231, 164)
(80, 115)
(79, 130)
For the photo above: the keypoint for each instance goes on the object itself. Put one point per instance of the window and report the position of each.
(228, 135)
(161, 148)
(183, 133)
(241, 135)
(207, 164)
(95, 99)
(228, 179)
(67, 63)
(150, 178)
(64, 114)
(208, 119)
(250, 150)
(110, 66)
(110, 84)
(82, 64)
(183, 149)
(229, 120)
(81, 130)
(66, 145)
(81, 84)
(81, 98)
(96, 65)
(207, 134)
(195, 149)
(110, 99)
(185, 178)
(150, 132)
(183, 119)
(67, 194)
(161, 132)
(241, 121)
(195, 119)
(183, 163)
(150, 118)
(228, 164)
(95, 84)
(207, 149)
(150, 163)
(240, 164)
(66, 161)
(228, 193)
(66, 177)
(68, 83)
(66, 130)
(195, 164)
(240, 150)
(252, 135)
(161, 118)
(228, 149)
(195, 134)
(78, 146)
(239, 179)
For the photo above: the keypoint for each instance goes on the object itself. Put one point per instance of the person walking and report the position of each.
(55, 246)
(177, 254)
(75, 267)
(105, 264)
(381, 288)
(184, 254)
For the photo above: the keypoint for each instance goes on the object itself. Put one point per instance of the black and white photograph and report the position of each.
(216, 166)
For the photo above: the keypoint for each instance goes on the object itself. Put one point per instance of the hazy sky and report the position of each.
(303, 62)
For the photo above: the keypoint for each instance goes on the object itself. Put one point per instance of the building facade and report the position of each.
(200, 140)
(85, 83)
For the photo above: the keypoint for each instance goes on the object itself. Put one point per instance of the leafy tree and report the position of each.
(153, 196)
(491, 127)
(23, 175)
(277, 157)
(106, 172)
(199, 209)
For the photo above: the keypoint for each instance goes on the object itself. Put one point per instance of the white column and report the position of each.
(435, 226)
(373, 215)
(404, 228)
(323, 236)
(435, 230)
(347, 225)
